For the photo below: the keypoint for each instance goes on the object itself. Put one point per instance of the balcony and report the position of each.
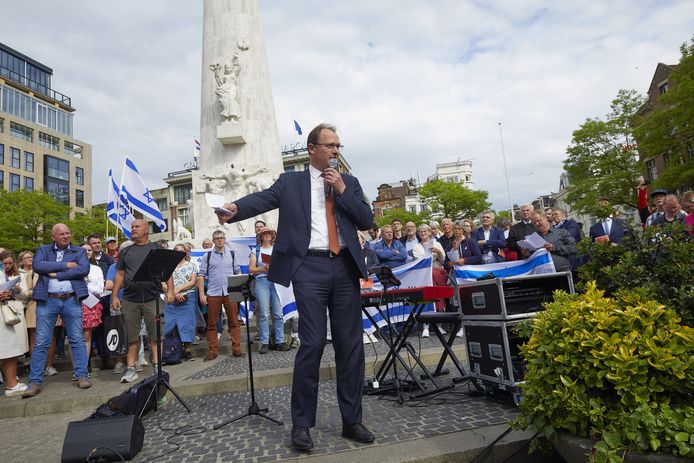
(35, 86)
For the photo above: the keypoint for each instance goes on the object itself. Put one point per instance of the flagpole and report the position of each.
(508, 185)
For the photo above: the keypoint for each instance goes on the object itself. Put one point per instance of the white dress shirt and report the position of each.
(319, 222)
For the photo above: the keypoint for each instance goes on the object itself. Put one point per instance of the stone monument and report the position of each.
(239, 144)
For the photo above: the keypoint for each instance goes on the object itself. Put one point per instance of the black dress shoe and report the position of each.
(301, 440)
(357, 432)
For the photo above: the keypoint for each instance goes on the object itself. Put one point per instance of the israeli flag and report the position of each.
(138, 195)
(117, 210)
(297, 127)
(539, 262)
(411, 275)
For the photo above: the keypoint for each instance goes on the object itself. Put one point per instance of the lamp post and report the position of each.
(508, 185)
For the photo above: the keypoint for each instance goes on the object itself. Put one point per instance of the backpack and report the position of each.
(173, 350)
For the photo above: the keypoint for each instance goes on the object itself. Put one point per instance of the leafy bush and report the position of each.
(660, 261)
(619, 370)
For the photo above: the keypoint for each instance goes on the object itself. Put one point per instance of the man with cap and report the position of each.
(111, 244)
(658, 198)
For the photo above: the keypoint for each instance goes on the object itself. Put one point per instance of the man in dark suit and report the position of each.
(490, 239)
(319, 253)
(609, 229)
(521, 229)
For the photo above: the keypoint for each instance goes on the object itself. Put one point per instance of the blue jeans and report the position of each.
(265, 294)
(47, 311)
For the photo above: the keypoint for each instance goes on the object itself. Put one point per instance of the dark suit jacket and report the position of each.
(518, 232)
(495, 242)
(571, 226)
(291, 193)
(618, 231)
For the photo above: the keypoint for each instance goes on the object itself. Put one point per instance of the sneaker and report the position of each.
(18, 389)
(129, 376)
(264, 349)
(138, 366)
(31, 391)
(74, 377)
(460, 333)
(84, 383)
(142, 361)
(119, 369)
(441, 330)
(219, 336)
(187, 355)
(50, 371)
(425, 333)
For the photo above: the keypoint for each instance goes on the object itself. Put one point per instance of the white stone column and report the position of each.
(240, 149)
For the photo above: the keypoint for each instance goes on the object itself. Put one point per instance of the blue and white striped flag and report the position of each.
(539, 262)
(117, 209)
(139, 196)
(411, 275)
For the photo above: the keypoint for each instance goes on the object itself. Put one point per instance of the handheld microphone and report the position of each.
(332, 163)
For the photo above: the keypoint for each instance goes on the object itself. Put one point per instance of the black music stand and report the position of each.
(388, 279)
(240, 289)
(158, 267)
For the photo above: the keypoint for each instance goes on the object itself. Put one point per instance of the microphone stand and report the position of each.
(244, 289)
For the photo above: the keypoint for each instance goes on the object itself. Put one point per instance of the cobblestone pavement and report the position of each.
(190, 438)
(227, 365)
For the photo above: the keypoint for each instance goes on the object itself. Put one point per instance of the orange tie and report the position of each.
(333, 240)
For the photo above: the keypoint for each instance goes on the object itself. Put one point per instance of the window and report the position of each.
(57, 168)
(652, 171)
(49, 141)
(182, 194)
(60, 191)
(21, 131)
(2, 125)
(2, 180)
(73, 149)
(79, 175)
(162, 204)
(183, 216)
(15, 158)
(412, 209)
(2, 154)
(289, 169)
(663, 88)
(79, 198)
(28, 161)
(14, 182)
(29, 183)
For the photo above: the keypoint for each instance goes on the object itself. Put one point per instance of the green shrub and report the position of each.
(660, 261)
(620, 370)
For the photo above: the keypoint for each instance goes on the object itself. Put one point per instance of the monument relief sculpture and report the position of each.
(228, 89)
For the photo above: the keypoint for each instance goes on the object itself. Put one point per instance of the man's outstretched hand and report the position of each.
(227, 215)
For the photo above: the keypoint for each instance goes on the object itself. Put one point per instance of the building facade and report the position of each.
(37, 148)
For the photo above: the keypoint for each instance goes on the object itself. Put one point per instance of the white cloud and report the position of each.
(409, 83)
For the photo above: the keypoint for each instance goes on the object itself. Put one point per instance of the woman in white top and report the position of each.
(13, 338)
(91, 316)
(430, 247)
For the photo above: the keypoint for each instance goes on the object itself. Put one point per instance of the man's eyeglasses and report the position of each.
(331, 146)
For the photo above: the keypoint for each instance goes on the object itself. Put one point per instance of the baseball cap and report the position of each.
(109, 238)
(659, 191)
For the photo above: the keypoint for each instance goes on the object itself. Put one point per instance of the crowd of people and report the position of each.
(69, 291)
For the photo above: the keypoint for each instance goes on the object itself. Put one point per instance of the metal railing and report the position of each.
(35, 86)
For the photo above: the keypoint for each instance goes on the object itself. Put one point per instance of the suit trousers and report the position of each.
(332, 283)
(214, 310)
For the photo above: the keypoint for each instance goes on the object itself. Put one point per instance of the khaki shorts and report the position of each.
(133, 313)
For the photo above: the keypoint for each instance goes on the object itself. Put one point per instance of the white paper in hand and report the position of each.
(9, 284)
(532, 242)
(453, 255)
(216, 202)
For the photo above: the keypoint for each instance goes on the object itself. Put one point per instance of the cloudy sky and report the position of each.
(409, 83)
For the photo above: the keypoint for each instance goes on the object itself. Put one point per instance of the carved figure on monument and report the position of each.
(228, 89)
(182, 233)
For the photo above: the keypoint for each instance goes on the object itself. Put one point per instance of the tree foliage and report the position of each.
(83, 225)
(402, 214)
(27, 218)
(602, 160)
(453, 200)
(669, 126)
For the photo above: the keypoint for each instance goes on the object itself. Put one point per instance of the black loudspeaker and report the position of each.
(105, 439)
